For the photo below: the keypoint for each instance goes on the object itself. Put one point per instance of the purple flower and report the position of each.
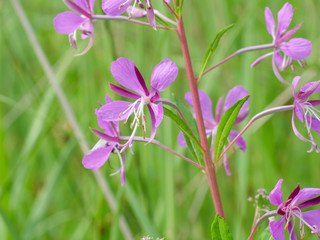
(291, 210)
(117, 7)
(127, 75)
(295, 49)
(69, 22)
(211, 124)
(305, 110)
(109, 142)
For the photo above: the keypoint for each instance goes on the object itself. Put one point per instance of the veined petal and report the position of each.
(235, 94)
(86, 29)
(297, 48)
(308, 89)
(80, 9)
(150, 14)
(277, 229)
(294, 85)
(158, 112)
(96, 158)
(226, 165)
(205, 103)
(67, 22)
(312, 217)
(275, 195)
(269, 22)
(314, 103)
(240, 142)
(310, 202)
(113, 7)
(219, 107)
(305, 194)
(163, 75)
(114, 111)
(181, 140)
(153, 122)
(126, 74)
(284, 18)
(292, 234)
(278, 59)
(123, 92)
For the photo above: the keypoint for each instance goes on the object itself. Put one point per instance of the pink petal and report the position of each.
(112, 7)
(269, 22)
(123, 92)
(285, 37)
(114, 111)
(181, 140)
(240, 141)
(96, 158)
(126, 73)
(292, 234)
(308, 89)
(284, 18)
(226, 165)
(275, 195)
(310, 202)
(298, 111)
(315, 124)
(163, 75)
(219, 107)
(295, 82)
(277, 57)
(297, 48)
(277, 229)
(87, 29)
(205, 103)
(67, 22)
(305, 194)
(312, 217)
(81, 9)
(235, 94)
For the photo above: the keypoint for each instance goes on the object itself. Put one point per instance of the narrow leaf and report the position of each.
(211, 49)
(220, 230)
(225, 126)
(183, 126)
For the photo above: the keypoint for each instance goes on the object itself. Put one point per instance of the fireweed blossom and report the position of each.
(294, 49)
(291, 211)
(118, 7)
(127, 75)
(211, 124)
(69, 22)
(305, 110)
(109, 142)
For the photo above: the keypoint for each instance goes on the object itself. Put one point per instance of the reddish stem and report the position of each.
(210, 169)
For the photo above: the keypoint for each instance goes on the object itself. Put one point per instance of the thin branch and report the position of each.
(68, 111)
(253, 119)
(242, 50)
(127, 19)
(141, 139)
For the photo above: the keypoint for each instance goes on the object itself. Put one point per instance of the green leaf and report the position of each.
(178, 7)
(162, 22)
(183, 126)
(220, 229)
(211, 49)
(225, 126)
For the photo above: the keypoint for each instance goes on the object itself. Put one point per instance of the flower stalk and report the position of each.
(210, 169)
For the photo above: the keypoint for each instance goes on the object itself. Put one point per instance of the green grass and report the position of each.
(45, 193)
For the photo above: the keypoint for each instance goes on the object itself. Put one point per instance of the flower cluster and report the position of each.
(291, 210)
(211, 123)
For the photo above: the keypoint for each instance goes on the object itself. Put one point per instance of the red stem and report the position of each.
(210, 169)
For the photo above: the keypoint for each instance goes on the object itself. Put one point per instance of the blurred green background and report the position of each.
(45, 193)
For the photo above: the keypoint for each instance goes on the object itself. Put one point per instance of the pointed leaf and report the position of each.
(212, 48)
(183, 127)
(220, 230)
(225, 126)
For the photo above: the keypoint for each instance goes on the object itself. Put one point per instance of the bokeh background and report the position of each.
(45, 193)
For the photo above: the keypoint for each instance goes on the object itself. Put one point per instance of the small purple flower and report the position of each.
(295, 49)
(127, 75)
(117, 7)
(69, 22)
(109, 142)
(291, 210)
(305, 110)
(211, 124)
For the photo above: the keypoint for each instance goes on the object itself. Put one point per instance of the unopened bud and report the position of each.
(136, 12)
